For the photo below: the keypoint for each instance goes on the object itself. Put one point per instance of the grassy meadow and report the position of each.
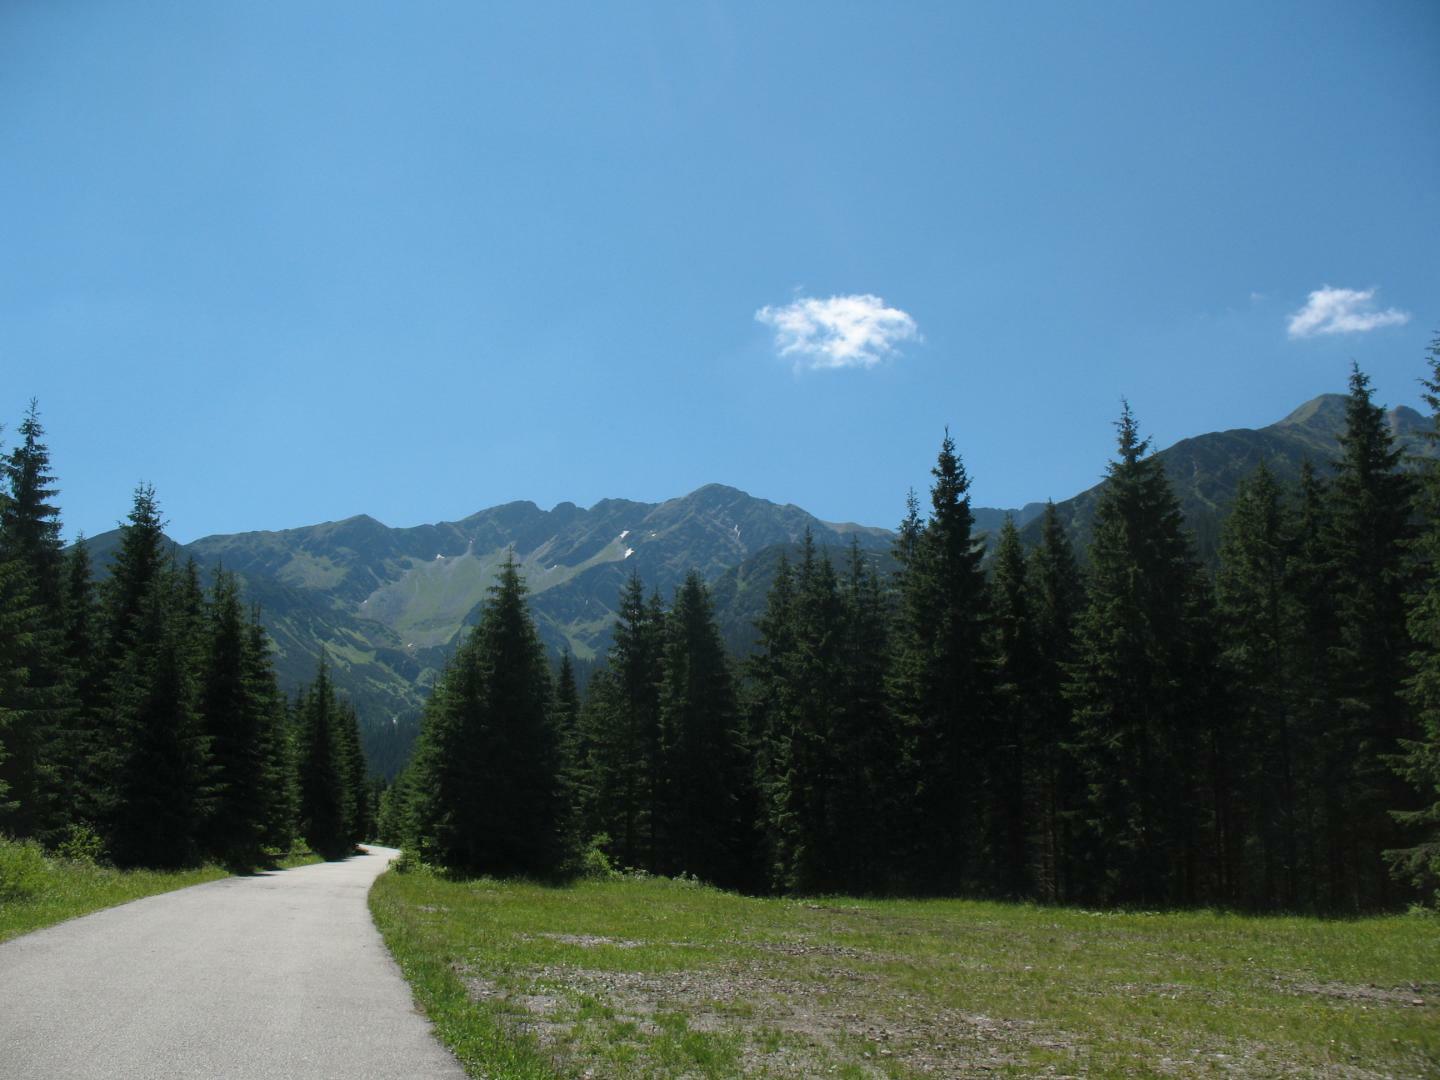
(657, 978)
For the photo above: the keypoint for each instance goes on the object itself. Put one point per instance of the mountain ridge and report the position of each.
(1205, 470)
(388, 604)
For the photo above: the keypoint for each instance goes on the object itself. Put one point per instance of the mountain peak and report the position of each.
(1325, 416)
(1327, 410)
(712, 493)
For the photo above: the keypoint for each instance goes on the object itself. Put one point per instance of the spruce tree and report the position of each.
(566, 717)
(22, 766)
(30, 537)
(766, 720)
(824, 748)
(396, 818)
(807, 814)
(320, 772)
(29, 518)
(1057, 594)
(703, 760)
(233, 705)
(488, 786)
(594, 772)
(869, 744)
(14, 706)
(1258, 620)
(354, 775)
(80, 735)
(278, 785)
(1140, 699)
(942, 684)
(160, 761)
(129, 626)
(1417, 862)
(1369, 526)
(138, 563)
(625, 733)
(907, 536)
(567, 703)
(1014, 791)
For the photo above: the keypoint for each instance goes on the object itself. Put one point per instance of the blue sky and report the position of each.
(293, 262)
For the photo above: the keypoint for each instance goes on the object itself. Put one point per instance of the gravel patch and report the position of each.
(788, 1027)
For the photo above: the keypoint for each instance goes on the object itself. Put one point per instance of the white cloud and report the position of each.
(1342, 311)
(838, 332)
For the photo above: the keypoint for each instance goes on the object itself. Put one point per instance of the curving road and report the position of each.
(271, 977)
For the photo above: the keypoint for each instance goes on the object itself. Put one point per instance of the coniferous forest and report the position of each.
(140, 718)
(1120, 725)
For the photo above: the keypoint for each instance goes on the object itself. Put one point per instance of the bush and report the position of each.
(408, 862)
(82, 844)
(23, 870)
(595, 865)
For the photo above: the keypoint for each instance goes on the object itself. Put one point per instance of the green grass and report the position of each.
(37, 891)
(430, 601)
(651, 978)
(298, 856)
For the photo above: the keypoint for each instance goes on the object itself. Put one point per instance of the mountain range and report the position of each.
(1205, 470)
(388, 605)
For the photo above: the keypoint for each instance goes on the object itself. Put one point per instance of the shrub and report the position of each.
(409, 862)
(23, 870)
(595, 865)
(82, 844)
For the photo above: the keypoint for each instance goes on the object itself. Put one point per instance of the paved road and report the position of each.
(272, 977)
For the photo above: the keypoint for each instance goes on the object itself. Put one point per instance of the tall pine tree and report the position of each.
(1318, 747)
(488, 788)
(30, 539)
(1057, 594)
(139, 641)
(1014, 793)
(233, 705)
(1139, 698)
(704, 797)
(1416, 859)
(869, 743)
(941, 685)
(805, 796)
(353, 772)
(1369, 525)
(623, 734)
(79, 741)
(161, 751)
(320, 768)
(278, 781)
(1258, 621)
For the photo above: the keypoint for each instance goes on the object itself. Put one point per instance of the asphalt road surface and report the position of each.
(276, 976)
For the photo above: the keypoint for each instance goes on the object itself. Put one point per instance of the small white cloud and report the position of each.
(838, 332)
(1342, 311)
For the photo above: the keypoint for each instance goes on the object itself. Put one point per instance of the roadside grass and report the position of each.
(299, 855)
(658, 978)
(39, 890)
